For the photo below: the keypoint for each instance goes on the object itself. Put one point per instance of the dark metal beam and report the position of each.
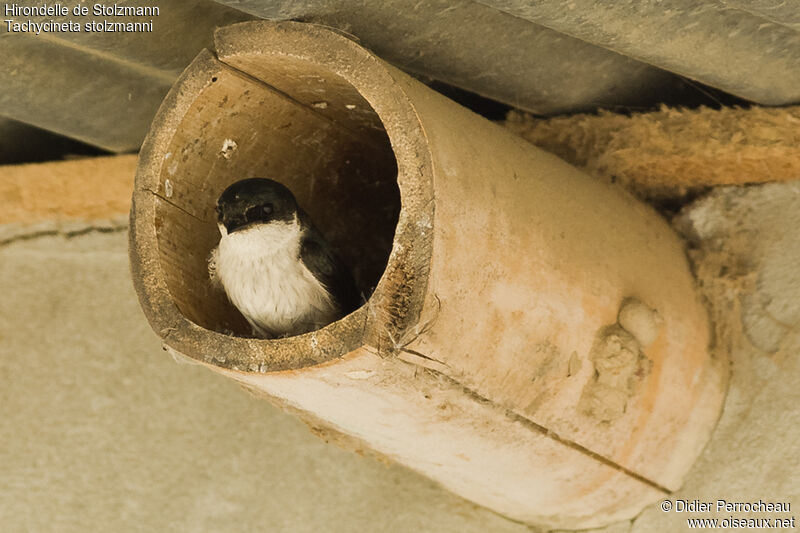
(103, 88)
(482, 50)
(730, 49)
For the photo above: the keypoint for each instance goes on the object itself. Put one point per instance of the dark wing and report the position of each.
(320, 259)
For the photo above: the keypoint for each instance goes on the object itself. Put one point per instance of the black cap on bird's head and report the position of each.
(253, 201)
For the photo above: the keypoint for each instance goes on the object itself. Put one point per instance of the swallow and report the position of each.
(274, 265)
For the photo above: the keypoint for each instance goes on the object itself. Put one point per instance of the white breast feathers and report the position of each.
(260, 269)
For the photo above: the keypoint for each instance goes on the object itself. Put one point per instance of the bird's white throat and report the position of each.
(273, 237)
(262, 273)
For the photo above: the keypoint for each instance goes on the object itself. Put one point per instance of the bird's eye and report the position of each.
(259, 213)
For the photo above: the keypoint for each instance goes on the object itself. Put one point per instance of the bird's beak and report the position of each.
(233, 223)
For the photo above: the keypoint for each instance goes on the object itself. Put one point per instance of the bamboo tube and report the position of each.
(533, 341)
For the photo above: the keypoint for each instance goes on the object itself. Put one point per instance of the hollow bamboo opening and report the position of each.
(239, 128)
(307, 121)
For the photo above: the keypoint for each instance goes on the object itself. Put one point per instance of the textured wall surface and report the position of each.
(745, 246)
(100, 430)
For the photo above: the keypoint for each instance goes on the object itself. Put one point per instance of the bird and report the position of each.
(275, 267)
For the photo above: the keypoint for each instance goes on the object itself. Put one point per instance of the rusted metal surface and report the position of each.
(734, 50)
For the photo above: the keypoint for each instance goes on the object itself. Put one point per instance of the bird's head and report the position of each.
(255, 201)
